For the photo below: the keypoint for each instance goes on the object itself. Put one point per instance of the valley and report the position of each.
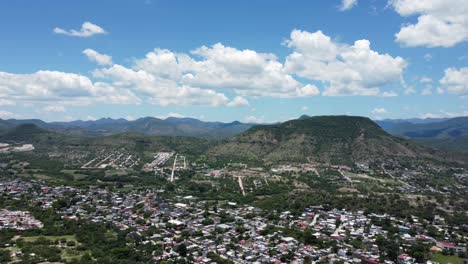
(314, 184)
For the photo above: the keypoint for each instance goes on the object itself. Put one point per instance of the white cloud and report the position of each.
(55, 86)
(54, 109)
(427, 57)
(346, 69)
(198, 78)
(347, 4)
(246, 72)
(88, 29)
(427, 90)
(379, 111)
(159, 90)
(389, 94)
(254, 119)
(425, 79)
(68, 118)
(455, 81)
(5, 102)
(444, 114)
(90, 118)
(305, 108)
(94, 56)
(238, 101)
(130, 118)
(441, 23)
(171, 114)
(6, 114)
(409, 90)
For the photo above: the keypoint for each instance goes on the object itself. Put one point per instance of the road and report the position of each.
(241, 185)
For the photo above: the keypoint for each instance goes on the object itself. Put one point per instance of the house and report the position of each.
(450, 247)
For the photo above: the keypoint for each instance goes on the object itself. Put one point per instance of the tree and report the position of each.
(182, 250)
(5, 256)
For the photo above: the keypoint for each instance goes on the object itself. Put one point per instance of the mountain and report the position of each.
(5, 125)
(331, 139)
(454, 127)
(450, 134)
(148, 126)
(389, 124)
(23, 132)
(50, 142)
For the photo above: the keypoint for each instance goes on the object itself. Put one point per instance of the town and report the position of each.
(190, 228)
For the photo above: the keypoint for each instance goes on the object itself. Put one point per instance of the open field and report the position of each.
(442, 259)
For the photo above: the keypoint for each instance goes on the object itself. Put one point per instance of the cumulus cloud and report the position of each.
(347, 4)
(379, 111)
(88, 29)
(201, 77)
(7, 114)
(100, 59)
(254, 119)
(455, 81)
(427, 90)
(440, 23)
(444, 114)
(238, 101)
(425, 79)
(159, 90)
(427, 57)
(5, 102)
(345, 69)
(54, 109)
(246, 72)
(409, 90)
(69, 88)
(204, 75)
(171, 114)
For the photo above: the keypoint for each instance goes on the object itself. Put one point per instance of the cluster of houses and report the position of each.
(230, 231)
(18, 220)
(7, 148)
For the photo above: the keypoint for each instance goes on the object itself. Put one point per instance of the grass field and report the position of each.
(42, 177)
(76, 176)
(68, 253)
(52, 238)
(442, 259)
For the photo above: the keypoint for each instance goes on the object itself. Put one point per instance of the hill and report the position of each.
(331, 139)
(24, 132)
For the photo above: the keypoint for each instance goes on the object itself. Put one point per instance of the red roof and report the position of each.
(447, 244)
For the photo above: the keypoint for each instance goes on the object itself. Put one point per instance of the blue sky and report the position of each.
(252, 60)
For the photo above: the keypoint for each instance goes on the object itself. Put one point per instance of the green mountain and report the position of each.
(24, 132)
(455, 127)
(67, 146)
(448, 134)
(331, 139)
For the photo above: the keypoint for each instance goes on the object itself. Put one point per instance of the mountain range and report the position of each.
(451, 134)
(171, 126)
(330, 139)
(440, 133)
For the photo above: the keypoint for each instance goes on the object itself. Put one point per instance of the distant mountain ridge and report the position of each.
(451, 134)
(441, 133)
(171, 126)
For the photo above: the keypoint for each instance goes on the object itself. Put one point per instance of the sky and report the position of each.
(247, 60)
